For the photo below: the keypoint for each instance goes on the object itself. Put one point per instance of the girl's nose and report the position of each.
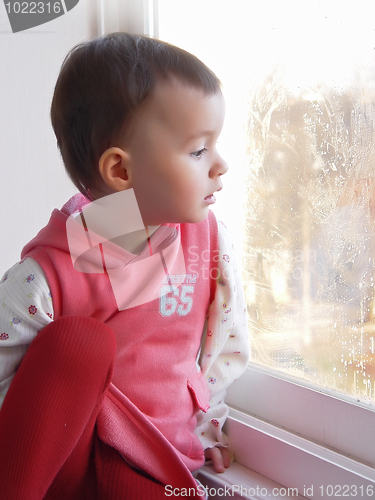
(219, 166)
(224, 166)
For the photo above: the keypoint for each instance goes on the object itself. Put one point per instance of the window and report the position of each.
(299, 83)
(310, 224)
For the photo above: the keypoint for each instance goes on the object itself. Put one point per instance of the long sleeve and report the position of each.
(226, 349)
(25, 308)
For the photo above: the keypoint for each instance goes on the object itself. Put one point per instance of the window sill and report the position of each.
(325, 419)
(241, 482)
(268, 457)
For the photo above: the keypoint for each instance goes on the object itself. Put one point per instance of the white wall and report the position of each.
(33, 180)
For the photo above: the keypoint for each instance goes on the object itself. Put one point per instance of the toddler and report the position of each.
(124, 322)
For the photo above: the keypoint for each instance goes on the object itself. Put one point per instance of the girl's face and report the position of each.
(175, 168)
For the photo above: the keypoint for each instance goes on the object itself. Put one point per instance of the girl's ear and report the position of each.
(114, 167)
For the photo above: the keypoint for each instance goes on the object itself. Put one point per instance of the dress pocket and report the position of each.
(200, 391)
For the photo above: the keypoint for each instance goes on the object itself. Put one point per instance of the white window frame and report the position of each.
(297, 435)
(287, 432)
(134, 16)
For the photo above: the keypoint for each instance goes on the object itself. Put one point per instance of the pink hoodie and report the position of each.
(149, 412)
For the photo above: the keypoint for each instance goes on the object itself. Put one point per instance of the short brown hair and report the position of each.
(101, 83)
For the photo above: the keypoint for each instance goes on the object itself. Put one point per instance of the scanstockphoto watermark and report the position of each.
(230, 491)
(91, 234)
(163, 270)
(24, 15)
(301, 260)
(204, 264)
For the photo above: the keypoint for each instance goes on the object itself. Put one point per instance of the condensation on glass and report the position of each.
(310, 231)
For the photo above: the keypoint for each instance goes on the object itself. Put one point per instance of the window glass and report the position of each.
(299, 80)
(309, 263)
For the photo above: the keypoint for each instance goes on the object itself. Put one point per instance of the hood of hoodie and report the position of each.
(92, 253)
(54, 234)
(145, 273)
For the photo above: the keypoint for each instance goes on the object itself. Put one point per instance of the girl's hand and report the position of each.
(221, 457)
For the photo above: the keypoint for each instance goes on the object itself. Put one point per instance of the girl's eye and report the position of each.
(199, 154)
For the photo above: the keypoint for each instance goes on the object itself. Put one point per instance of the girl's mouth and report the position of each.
(210, 199)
